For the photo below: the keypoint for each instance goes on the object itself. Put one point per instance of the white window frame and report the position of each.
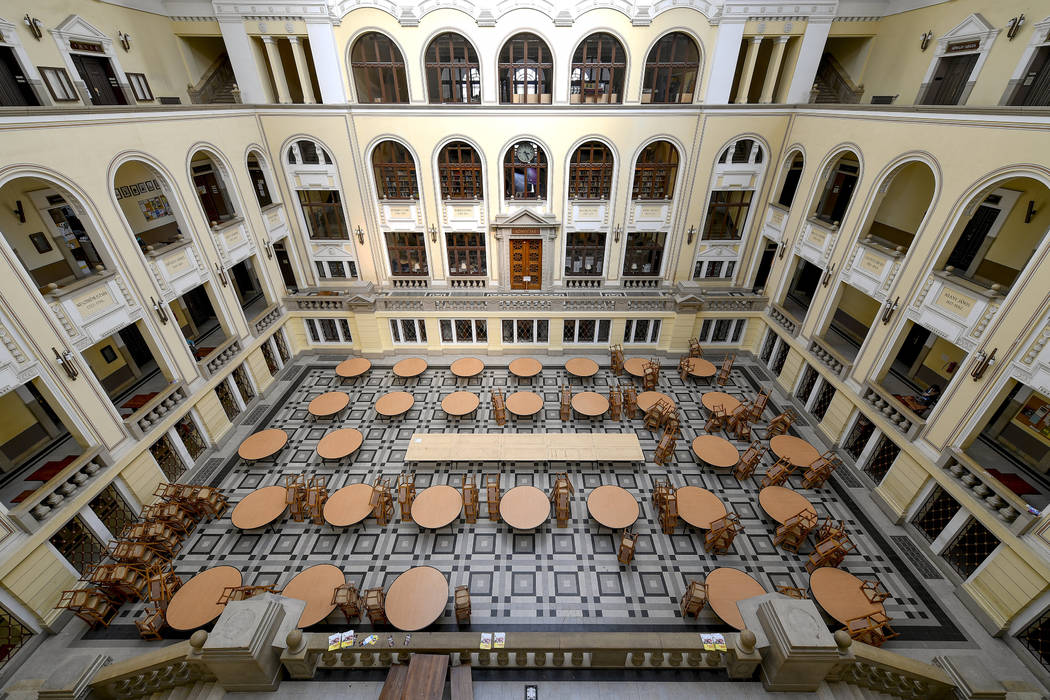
(397, 326)
(324, 268)
(653, 333)
(315, 331)
(595, 339)
(737, 328)
(535, 331)
(251, 381)
(703, 266)
(140, 87)
(474, 323)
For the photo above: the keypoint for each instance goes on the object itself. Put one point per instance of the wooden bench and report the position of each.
(462, 683)
(394, 686)
(426, 677)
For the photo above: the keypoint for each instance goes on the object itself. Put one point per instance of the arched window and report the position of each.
(838, 189)
(459, 168)
(598, 69)
(453, 71)
(590, 171)
(791, 178)
(730, 204)
(671, 70)
(308, 153)
(211, 189)
(525, 70)
(655, 171)
(395, 171)
(257, 174)
(525, 171)
(379, 69)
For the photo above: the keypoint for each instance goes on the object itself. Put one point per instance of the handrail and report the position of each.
(45, 501)
(886, 672)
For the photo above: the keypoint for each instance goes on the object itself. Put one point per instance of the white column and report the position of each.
(303, 70)
(273, 57)
(239, 49)
(808, 60)
(327, 64)
(748, 71)
(775, 60)
(723, 62)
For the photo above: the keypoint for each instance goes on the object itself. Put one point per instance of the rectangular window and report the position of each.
(328, 330)
(714, 269)
(408, 253)
(140, 87)
(59, 84)
(585, 253)
(408, 330)
(336, 269)
(586, 330)
(727, 214)
(644, 253)
(323, 212)
(525, 330)
(722, 330)
(642, 330)
(466, 253)
(464, 330)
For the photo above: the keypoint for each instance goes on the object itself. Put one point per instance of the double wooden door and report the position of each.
(526, 263)
(97, 73)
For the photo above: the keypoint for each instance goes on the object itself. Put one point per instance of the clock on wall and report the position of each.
(525, 152)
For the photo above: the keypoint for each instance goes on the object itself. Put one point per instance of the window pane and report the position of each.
(481, 331)
(344, 328)
(603, 330)
(446, 330)
(508, 331)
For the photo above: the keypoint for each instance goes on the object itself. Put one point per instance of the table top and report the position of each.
(262, 444)
(839, 593)
(795, 449)
(725, 587)
(416, 598)
(712, 399)
(716, 451)
(781, 503)
(524, 507)
(348, 505)
(436, 506)
(590, 403)
(467, 367)
(647, 399)
(699, 507)
(581, 367)
(339, 443)
(315, 586)
(329, 403)
(525, 367)
(394, 403)
(353, 367)
(194, 604)
(699, 367)
(460, 403)
(613, 507)
(260, 507)
(524, 447)
(635, 366)
(410, 367)
(524, 403)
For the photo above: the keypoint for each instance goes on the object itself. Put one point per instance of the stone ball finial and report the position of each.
(843, 641)
(294, 640)
(747, 641)
(197, 639)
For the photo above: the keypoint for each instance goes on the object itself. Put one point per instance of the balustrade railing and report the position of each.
(50, 496)
(991, 493)
(900, 416)
(146, 417)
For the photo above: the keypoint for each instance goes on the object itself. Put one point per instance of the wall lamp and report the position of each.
(691, 234)
(360, 235)
(1029, 215)
(34, 26)
(827, 275)
(924, 40)
(433, 233)
(220, 273)
(981, 363)
(66, 362)
(268, 247)
(19, 212)
(616, 233)
(162, 314)
(1014, 26)
(887, 314)
(125, 40)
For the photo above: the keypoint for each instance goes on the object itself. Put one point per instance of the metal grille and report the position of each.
(767, 346)
(78, 545)
(222, 390)
(780, 359)
(271, 361)
(970, 547)
(1036, 638)
(464, 329)
(168, 459)
(882, 459)
(936, 513)
(282, 347)
(244, 385)
(191, 437)
(13, 635)
(820, 408)
(113, 510)
(858, 437)
(809, 379)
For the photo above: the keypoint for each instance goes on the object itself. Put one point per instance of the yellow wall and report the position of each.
(15, 417)
(142, 476)
(1017, 240)
(839, 411)
(212, 416)
(941, 353)
(256, 364)
(902, 483)
(17, 233)
(907, 198)
(134, 173)
(38, 580)
(858, 305)
(98, 364)
(1005, 585)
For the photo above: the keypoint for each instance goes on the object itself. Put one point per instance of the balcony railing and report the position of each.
(873, 266)
(899, 415)
(48, 499)
(957, 307)
(783, 319)
(220, 356)
(829, 357)
(145, 418)
(267, 318)
(989, 491)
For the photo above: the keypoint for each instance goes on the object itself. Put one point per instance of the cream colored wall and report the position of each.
(1017, 240)
(98, 364)
(858, 304)
(907, 198)
(15, 417)
(131, 174)
(1006, 585)
(17, 233)
(38, 580)
(142, 476)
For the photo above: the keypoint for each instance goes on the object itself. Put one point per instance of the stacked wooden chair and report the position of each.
(829, 551)
(470, 499)
(348, 600)
(174, 515)
(745, 468)
(375, 606)
(232, 594)
(665, 448)
(561, 497)
(723, 373)
(739, 422)
(685, 364)
(316, 496)
(91, 605)
(758, 406)
(717, 420)
(831, 528)
(628, 541)
(406, 494)
(794, 531)
(295, 496)
(616, 359)
(499, 407)
(819, 471)
(565, 405)
(657, 414)
(201, 500)
(669, 513)
(695, 599)
(615, 403)
(694, 348)
(793, 592)
(720, 535)
(492, 496)
(630, 400)
(777, 474)
(462, 604)
(872, 629)
(651, 375)
(381, 501)
(661, 487)
(780, 424)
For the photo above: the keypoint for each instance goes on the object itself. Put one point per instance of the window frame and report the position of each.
(602, 331)
(704, 267)
(395, 173)
(415, 253)
(458, 255)
(537, 325)
(652, 331)
(734, 329)
(616, 66)
(789, 169)
(583, 174)
(511, 166)
(714, 206)
(654, 67)
(653, 250)
(475, 324)
(323, 208)
(508, 65)
(455, 70)
(398, 326)
(257, 176)
(581, 250)
(315, 331)
(50, 74)
(471, 187)
(652, 177)
(398, 72)
(140, 87)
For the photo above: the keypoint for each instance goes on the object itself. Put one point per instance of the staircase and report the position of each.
(217, 86)
(833, 85)
(201, 690)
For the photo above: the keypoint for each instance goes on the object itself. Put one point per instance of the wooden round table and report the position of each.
(716, 451)
(581, 367)
(714, 399)
(329, 404)
(260, 507)
(781, 503)
(725, 587)
(796, 450)
(525, 367)
(524, 507)
(460, 403)
(524, 403)
(349, 505)
(315, 586)
(590, 403)
(195, 603)
(701, 368)
(416, 598)
(647, 399)
(635, 366)
(394, 403)
(353, 367)
(436, 506)
(262, 444)
(340, 443)
(410, 367)
(840, 594)
(699, 507)
(467, 367)
(613, 507)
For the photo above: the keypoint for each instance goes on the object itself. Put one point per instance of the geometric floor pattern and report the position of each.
(558, 579)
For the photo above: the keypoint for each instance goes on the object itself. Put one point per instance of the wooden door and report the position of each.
(101, 82)
(14, 87)
(1035, 86)
(210, 196)
(526, 263)
(949, 79)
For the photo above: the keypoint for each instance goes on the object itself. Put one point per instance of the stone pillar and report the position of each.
(748, 71)
(239, 49)
(770, 84)
(327, 64)
(303, 70)
(723, 62)
(808, 60)
(273, 57)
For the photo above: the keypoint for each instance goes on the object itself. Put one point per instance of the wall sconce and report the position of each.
(1029, 215)
(162, 315)
(19, 212)
(360, 235)
(890, 308)
(691, 234)
(34, 26)
(827, 275)
(1014, 26)
(268, 247)
(616, 233)
(924, 40)
(981, 363)
(221, 274)
(781, 247)
(125, 40)
(433, 233)
(67, 363)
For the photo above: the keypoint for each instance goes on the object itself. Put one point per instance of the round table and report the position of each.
(839, 593)
(701, 368)
(590, 403)
(340, 443)
(613, 507)
(460, 403)
(467, 367)
(416, 598)
(699, 507)
(525, 367)
(581, 367)
(349, 505)
(315, 586)
(260, 507)
(394, 403)
(794, 449)
(329, 404)
(524, 507)
(716, 451)
(781, 503)
(725, 587)
(635, 366)
(262, 444)
(353, 367)
(524, 403)
(647, 399)
(194, 604)
(714, 399)
(410, 367)
(436, 506)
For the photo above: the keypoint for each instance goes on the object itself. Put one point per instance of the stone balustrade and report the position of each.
(48, 499)
(641, 282)
(153, 411)
(989, 491)
(221, 356)
(906, 422)
(895, 675)
(266, 319)
(467, 282)
(583, 282)
(783, 319)
(410, 282)
(158, 671)
(828, 357)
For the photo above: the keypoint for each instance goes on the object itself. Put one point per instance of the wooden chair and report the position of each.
(91, 605)
(381, 501)
(661, 487)
(669, 514)
(695, 599)
(492, 496)
(780, 424)
(615, 403)
(758, 406)
(232, 594)
(737, 422)
(717, 420)
(630, 400)
(829, 551)
(151, 624)
(499, 407)
(793, 592)
(745, 468)
(173, 514)
(348, 600)
(375, 606)
(654, 417)
(561, 497)
(616, 359)
(139, 553)
(651, 375)
(295, 496)
(161, 584)
(406, 494)
(462, 602)
(684, 365)
(665, 448)
(673, 421)
(777, 474)
(316, 496)
(873, 590)
(157, 535)
(628, 540)
(565, 407)
(819, 471)
(873, 629)
(720, 535)
(723, 373)
(470, 499)
(831, 528)
(795, 530)
(694, 348)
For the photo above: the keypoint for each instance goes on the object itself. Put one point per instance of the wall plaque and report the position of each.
(589, 211)
(177, 264)
(873, 264)
(462, 212)
(969, 45)
(94, 301)
(86, 46)
(955, 301)
(399, 212)
(817, 236)
(233, 236)
(651, 211)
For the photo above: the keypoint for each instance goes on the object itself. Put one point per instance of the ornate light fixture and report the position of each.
(981, 363)
(222, 275)
(67, 362)
(360, 235)
(827, 275)
(887, 314)
(162, 314)
(690, 235)
(125, 40)
(616, 233)
(433, 233)
(1014, 26)
(34, 26)
(924, 40)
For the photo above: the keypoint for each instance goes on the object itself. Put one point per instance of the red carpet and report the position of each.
(23, 496)
(1014, 483)
(138, 401)
(49, 469)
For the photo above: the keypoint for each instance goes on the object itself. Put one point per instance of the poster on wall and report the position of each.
(155, 208)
